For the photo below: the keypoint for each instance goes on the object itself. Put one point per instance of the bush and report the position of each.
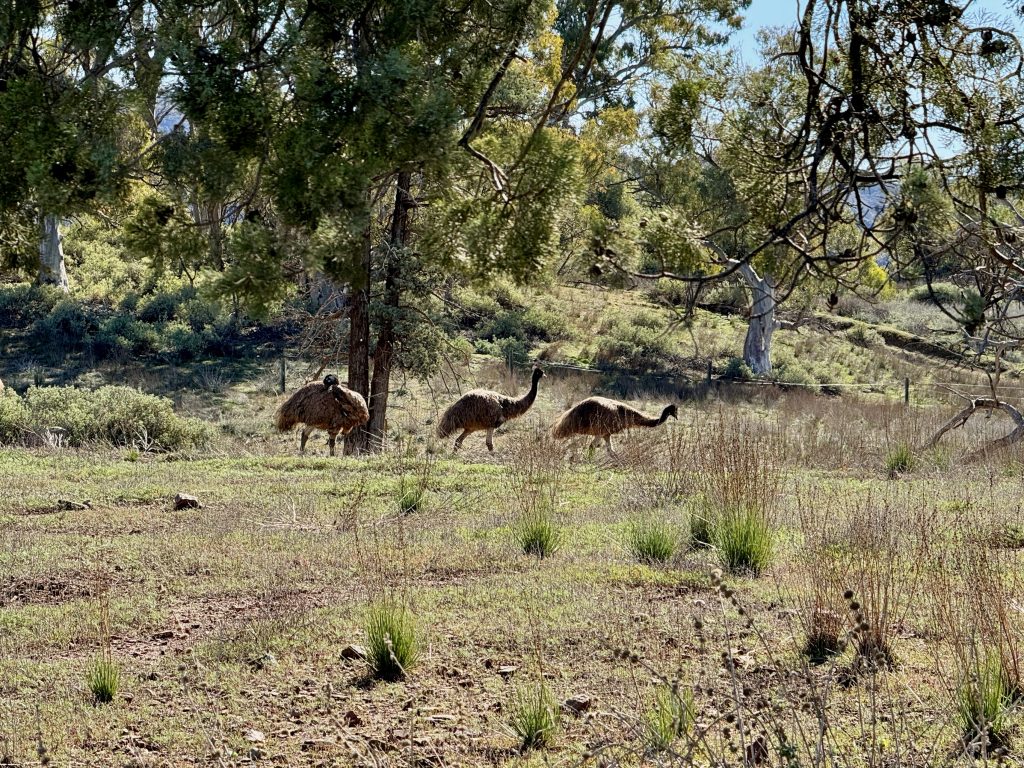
(70, 325)
(744, 539)
(652, 541)
(103, 679)
(671, 716)
(391, 639)
(737, 370)
(947, 294)
(536, 534)
(861, 335)
(534, 718)
(823, 630)
(22, 303)
(163, 305)
(638, 344)
(675, 293)
(116, 415)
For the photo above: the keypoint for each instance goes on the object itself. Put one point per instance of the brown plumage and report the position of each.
(602, 418)
(482, 409)
(323, 405)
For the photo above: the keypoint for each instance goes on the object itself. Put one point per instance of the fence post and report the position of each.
(282, 383)
(707, 380)
(906, 390)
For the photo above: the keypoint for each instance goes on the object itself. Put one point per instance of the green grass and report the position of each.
(652, 541)
(392, 642)
(899, 460)
(744, 540)
(534, 717)
(103, 679)
(537, 534)
(983, 702)
(411, 495)
(670, 717)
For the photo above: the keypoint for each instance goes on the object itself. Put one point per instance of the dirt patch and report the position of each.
(52, 588)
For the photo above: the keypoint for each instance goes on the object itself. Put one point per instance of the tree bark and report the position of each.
(384, 352)
(757, 347)
(357, 441)
(51, 255)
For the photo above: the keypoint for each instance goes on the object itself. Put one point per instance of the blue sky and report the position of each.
(770, 13)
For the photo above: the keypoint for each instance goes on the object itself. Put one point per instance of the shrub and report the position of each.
(652, 541)
(22, 303)
(392, 645)
(862, 335)
(70, 325)
(670, 717)
(637, 344)
(116, 415)
(983, 702)
(411, 494)
(823, 634)
(744, 539)
(899, 460)
(534, 718)
(179, 342)
(103, 679)
(537, 534)
(737, 370)
(946, 293)
(163, 305)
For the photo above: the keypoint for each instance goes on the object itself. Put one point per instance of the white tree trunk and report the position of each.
(51, 254)
(757, 347)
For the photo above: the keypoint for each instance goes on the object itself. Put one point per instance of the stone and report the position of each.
(255, 737)
(351, 719)
(578, 704)
(508, 670)
(68, 505)
(353, 652)
(186, 501)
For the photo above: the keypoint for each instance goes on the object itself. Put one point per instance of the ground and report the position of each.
(229, 622)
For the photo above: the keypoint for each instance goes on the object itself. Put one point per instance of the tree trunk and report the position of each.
(51, 255)
(384, 352)
(357, 441)
(757, 347)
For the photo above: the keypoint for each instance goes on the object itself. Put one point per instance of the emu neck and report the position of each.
(522, 405)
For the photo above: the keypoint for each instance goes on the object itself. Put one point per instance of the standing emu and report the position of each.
(327, 406)
(483, 409)
(602, 418)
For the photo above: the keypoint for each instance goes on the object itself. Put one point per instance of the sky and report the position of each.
(769, 13)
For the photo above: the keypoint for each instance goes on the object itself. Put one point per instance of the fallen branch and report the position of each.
(983, 404)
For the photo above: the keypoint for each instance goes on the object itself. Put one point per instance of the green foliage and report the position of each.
(861, 335)
(702, 526)
(640, 343)
(392, 642)
(103, 679)
(670, 717)
(536, 533)
(737, 370)
(744, 539)
(651, 540)
(21, 303)
(947, 294)
(115, 415)
(534, 717)
(411, 494)
(983, 701)
(899, 460)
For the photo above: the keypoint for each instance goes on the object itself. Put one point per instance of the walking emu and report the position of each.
(602, 418)
(481, 409)
(327, 406)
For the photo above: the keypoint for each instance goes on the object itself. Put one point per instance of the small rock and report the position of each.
(353, 652)
(68, 505)
(508, 670)
(351, 719)
(256, 754)
(578, 704)
(185, 501)
(166, 634)
(254, 736)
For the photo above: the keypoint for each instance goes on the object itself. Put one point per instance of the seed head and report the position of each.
(848, 594)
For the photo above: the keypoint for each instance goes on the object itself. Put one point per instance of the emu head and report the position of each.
(538, 374)
(671, 410)
(330, 380)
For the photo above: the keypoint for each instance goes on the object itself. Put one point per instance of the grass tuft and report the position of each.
(103, 679)
(534, 718)
(744, 540)
(392, 644)
(652, 540)
(983, 702)
(899, 460)
(411, 495)
(537, 535)
(670, 717)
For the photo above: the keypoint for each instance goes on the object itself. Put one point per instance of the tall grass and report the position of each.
(537, 534)
(392, 642)
(983, 701)
(103, 679)
(671, 717)
(652, 540)
(744, 540)
(534, 717)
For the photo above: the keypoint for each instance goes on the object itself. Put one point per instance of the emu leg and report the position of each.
(306, 432)
(608, 445)
(490, 444)
(460, 438)
(331, 440)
